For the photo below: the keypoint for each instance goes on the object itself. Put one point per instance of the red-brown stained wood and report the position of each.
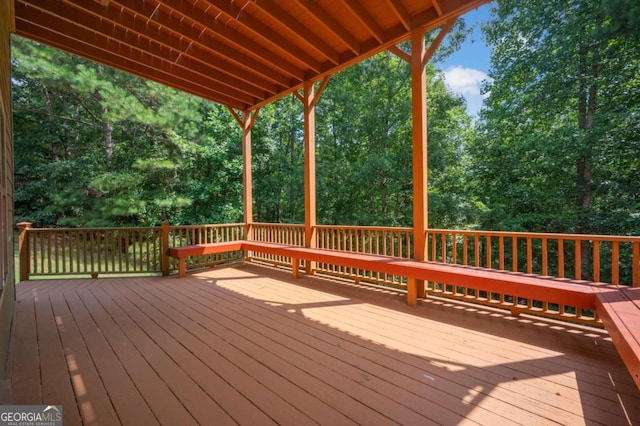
(253, 341)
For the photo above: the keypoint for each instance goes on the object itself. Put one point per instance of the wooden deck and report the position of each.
(250, 345)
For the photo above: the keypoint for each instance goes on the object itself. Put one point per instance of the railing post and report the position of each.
(23, 249)
(164, 248)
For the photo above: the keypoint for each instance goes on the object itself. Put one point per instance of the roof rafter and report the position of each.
(163, 22)
(105, 56)
(436, 6)
(326, 20)
(182, 45)
(241, 53)
(171, 57)
(362, 15)
(401, 13)
(296, 28)
(227, 35)
(269, 36)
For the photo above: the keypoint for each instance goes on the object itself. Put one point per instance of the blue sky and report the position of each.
(466, 69)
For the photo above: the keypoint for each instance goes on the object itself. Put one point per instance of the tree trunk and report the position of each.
(587, 106)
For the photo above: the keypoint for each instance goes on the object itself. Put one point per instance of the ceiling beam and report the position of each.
(268, 36)
(327, 21)
(173, 24)
(177, 44)
(298, 30)
(38, 11)
(228, 35)
(70, 22)
(436, 6)
(105, 55)
(362, 14)
(400, 11)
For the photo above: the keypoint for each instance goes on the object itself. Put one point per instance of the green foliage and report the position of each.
(559, 139)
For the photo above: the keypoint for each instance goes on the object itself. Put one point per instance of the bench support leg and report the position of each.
(412, 292)
(420, 289)
(182, 267)
(295, 266)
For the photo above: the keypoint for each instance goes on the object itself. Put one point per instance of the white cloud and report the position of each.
(467, 82)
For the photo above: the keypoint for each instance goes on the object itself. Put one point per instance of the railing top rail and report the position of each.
(91, 229)
(579, 237)
(371, 228)
(277, 224)
(215, 225)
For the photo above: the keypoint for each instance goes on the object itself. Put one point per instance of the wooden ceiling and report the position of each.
(239, 53)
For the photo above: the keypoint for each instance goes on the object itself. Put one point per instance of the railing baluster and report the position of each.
(488, 249)
(501, 252)
(476, 249)
(545, 264)
(465, 250)
(514, 253)
(635, 261)
(578, 260)
(529, 256)
(560, 258)
(596, 260)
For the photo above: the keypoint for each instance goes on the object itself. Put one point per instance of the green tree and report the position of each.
(559, 134)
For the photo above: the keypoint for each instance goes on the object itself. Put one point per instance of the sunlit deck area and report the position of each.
(249, 344)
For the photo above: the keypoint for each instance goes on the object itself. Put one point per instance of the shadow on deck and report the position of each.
(248, 344)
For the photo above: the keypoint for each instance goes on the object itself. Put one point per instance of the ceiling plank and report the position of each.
(58, 23)
(401, 13)
(363, 16)
(327, 21)
(136, 40)
(173, 23)
(179, 44)
(297, 29)
(105, 55)
(227, 34)
(268, 36)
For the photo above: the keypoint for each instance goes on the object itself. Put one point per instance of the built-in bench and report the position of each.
(552, 290)
(618, 308)
(181, 253)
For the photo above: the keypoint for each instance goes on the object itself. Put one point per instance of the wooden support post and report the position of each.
(246, 120)
(309, 99)
(164, 248)
(309, 171)
(419, 115)
(23, 250)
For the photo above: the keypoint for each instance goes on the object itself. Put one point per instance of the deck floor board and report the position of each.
(249, 345)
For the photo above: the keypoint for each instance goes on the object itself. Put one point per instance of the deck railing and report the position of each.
(68, 252)
(385, 241)
(282, 233)
(56, 252)
(600, 258)
(89, 251)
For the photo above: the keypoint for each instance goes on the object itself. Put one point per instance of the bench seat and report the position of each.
(619, 309)
(181, 253)
(553, 290)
